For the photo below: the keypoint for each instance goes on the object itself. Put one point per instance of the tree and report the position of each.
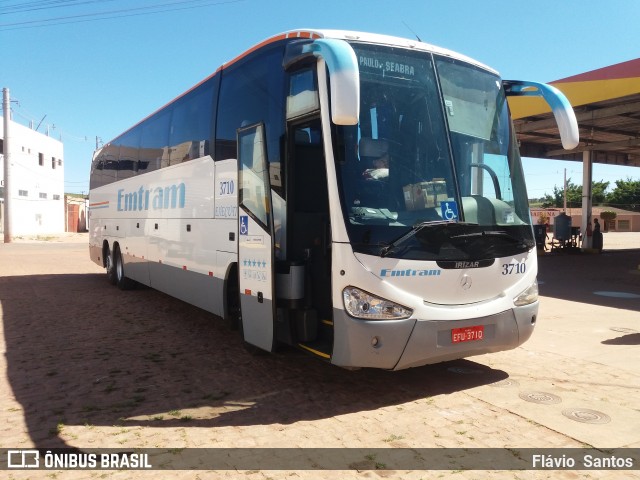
(543, 218)
(626, 195)
(598, 192)
(574, 195)
(608, 216)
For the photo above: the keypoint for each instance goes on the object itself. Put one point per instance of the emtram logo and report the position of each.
(154, 198)
(409, 272)
(23, 459)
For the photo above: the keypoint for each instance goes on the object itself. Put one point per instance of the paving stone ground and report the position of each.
(87, 365)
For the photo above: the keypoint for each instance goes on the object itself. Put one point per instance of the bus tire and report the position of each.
(122, 281)
(109, 265)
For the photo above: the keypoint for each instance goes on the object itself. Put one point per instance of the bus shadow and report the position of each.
(609, 279)
(83, 353)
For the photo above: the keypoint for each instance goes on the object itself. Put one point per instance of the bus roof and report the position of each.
(361, 37)
(347, 35)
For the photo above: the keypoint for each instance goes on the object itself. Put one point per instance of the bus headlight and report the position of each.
(360, 304)
(530, 295)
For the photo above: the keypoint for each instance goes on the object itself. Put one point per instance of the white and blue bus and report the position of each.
(355, 195)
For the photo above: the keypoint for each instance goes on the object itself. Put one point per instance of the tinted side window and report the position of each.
(252, 91)
(128, 153)
(179, 132)
(154, 142)
(109, 163)
(191, 125)
(95, 178)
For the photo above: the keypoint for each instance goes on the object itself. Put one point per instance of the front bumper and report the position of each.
(400, 344)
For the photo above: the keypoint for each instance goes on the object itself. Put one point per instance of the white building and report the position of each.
(36, 182)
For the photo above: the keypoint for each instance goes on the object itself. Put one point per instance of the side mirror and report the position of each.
(560, 106)
(344, 74)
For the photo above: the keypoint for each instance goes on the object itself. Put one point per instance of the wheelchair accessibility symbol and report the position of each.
(449, 210)
(244, 225)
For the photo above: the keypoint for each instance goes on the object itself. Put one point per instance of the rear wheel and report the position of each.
(122, 281)
(110, 266)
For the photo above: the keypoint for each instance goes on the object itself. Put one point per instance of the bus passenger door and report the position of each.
(255, 239)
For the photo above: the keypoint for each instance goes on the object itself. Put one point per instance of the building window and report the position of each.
(624, 225)
(53, 162)
(23, 193)
(41, 159)
(59, 162)
(43, 195)
(56, 197)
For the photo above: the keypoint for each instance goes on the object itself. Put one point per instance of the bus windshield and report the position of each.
(432, 170)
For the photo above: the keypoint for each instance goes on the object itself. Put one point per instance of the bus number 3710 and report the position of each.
(227, 188)
(514, 268)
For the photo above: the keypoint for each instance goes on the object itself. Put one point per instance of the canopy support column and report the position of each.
(587, 180)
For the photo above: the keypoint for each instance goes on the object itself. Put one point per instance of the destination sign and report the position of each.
(389, 65)
(386, 66)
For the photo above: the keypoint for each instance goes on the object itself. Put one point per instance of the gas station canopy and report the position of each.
(607, 105)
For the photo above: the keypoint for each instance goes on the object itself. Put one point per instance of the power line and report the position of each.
(113, 14)
(94, 14)
(45, 5)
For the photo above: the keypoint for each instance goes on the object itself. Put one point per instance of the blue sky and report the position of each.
(93, 76)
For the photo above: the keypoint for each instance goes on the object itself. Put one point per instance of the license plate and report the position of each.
(467, 334)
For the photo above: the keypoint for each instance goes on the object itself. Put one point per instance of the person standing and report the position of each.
(597, 236)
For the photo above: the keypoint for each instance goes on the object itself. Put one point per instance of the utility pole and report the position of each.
(6, 111)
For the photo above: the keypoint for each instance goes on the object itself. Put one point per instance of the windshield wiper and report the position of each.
(494, 234)
(384, 251)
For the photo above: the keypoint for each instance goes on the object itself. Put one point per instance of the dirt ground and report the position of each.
(87, 365)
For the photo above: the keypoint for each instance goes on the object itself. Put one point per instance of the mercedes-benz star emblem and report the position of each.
(465, 282)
